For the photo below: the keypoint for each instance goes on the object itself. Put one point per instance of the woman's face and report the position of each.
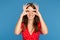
(30, 12)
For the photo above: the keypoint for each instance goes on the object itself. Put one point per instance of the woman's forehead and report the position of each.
(31, 9)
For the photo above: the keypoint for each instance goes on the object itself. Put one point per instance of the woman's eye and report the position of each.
(27, 11)
(34, 11)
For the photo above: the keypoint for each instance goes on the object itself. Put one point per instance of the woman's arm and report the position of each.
(18, 26)
(44, 28)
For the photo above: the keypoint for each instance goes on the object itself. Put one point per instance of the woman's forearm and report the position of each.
(18, 26)
(44, 29)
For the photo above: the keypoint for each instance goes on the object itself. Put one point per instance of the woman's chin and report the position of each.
(31, 18)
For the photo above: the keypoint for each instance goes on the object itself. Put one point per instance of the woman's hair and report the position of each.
(36, 18)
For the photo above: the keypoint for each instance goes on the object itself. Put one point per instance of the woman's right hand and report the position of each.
(23, 13)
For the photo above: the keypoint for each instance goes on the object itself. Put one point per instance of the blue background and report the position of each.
(10, 11)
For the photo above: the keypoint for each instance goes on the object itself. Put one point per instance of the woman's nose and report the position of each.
(30, 13)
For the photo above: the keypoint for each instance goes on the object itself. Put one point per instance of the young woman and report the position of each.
(31, 23)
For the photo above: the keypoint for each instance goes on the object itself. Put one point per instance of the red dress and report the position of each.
(34, 36)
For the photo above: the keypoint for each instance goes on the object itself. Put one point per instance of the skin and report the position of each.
(31, 14)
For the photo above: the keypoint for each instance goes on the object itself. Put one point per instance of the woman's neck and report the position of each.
(30, 22)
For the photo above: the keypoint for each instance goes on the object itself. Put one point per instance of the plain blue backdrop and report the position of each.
(10, 11)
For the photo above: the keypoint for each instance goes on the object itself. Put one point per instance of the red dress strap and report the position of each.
(39, 26)
(22, 24)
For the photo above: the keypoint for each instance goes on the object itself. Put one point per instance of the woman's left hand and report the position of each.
(38, 14)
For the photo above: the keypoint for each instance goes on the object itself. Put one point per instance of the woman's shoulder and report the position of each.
(22, 24)
(39, 25)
